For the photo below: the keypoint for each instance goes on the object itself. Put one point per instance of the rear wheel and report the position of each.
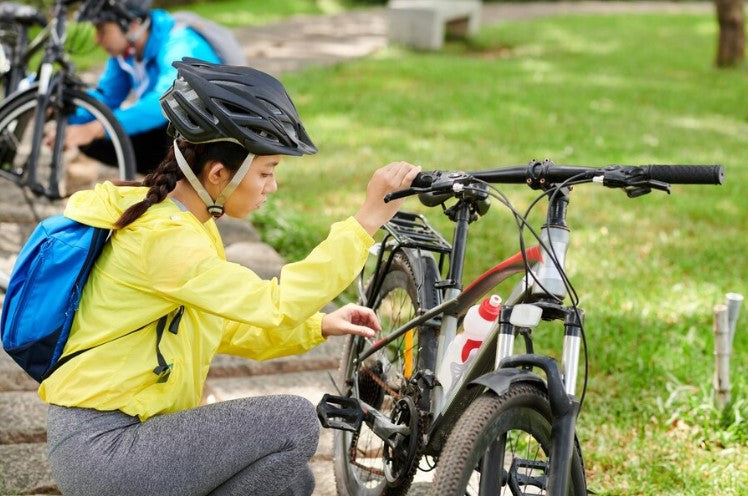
(47, 168)
(500, 446)
(363, 467)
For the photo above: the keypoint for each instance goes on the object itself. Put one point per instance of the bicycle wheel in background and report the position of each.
(500, 446)
(74, 170)
(362, 463)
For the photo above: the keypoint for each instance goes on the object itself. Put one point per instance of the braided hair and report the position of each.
(164, 178)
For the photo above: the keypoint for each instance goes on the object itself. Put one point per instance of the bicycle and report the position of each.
(503, 428)
(54, 96)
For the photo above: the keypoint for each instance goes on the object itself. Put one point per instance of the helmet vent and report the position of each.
(271, 107)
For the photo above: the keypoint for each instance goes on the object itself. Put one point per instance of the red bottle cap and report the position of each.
(490, 308)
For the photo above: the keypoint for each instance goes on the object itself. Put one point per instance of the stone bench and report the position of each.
(422, 24)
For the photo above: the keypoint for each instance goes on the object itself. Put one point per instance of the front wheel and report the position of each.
(500, 446)
(29, 158)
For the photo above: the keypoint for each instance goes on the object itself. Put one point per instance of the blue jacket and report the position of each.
(156, 75)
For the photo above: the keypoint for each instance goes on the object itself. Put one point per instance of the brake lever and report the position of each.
(641, 188)
(438, 186)
(402, 193)
(632, 181)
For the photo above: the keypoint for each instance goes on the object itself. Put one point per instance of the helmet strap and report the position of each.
(215, 207)
(132, 38)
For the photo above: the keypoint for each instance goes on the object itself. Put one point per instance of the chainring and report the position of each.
(401, 462)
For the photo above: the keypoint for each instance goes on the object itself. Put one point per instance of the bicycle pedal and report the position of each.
(340, 412)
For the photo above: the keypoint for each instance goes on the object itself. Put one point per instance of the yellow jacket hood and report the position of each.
(103, 205)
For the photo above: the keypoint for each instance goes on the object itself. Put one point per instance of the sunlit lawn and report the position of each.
(238, 13)
(585, 91)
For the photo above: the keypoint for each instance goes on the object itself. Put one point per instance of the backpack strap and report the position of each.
(162, 369)
(65, 359)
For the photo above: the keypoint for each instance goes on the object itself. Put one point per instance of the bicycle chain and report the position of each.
(378, 380)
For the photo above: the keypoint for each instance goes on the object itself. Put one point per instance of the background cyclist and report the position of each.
(116, 424)
(142, 45)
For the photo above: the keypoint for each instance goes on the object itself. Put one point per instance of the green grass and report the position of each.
(238, 13)
(588, 91)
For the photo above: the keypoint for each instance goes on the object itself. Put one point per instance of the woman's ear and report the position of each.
(216, 173)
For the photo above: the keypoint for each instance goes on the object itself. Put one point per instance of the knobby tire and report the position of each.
(523, 415)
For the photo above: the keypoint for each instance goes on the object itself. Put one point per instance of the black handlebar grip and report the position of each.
(686, 174)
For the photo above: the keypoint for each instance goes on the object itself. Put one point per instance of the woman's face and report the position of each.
(110, 37)
(254, 189)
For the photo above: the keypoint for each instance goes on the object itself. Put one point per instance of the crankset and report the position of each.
(401, 453)
(347, 413)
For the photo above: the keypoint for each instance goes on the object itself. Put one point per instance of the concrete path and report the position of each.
(291, 45)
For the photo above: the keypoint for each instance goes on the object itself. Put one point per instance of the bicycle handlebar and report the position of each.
(636, 180)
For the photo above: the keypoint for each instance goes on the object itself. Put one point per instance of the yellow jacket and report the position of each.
(168, 258)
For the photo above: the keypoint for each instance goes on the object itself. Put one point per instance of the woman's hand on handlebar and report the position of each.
(375, 212)
(351, 319)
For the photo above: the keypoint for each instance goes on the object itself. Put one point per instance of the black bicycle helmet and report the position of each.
(123, 12)
(214, 102)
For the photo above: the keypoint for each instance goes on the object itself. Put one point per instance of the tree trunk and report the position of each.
(731, 49)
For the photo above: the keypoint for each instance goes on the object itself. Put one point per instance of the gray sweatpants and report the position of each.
(250, 446)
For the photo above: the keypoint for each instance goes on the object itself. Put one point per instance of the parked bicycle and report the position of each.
(33, 119)
(504, 428)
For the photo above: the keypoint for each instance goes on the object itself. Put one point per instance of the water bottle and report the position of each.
(477, 324)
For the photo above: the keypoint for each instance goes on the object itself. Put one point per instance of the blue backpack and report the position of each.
(43, 294)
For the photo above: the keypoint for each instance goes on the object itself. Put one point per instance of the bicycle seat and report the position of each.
(21, 14)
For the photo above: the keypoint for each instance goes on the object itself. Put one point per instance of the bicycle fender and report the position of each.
(500, 380)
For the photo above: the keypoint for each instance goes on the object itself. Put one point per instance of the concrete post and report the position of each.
(734, 300)
(721, 381)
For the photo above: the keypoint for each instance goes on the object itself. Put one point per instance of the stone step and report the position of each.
(24, 418)
(13, 377)
(323, 357)
(24, 469)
